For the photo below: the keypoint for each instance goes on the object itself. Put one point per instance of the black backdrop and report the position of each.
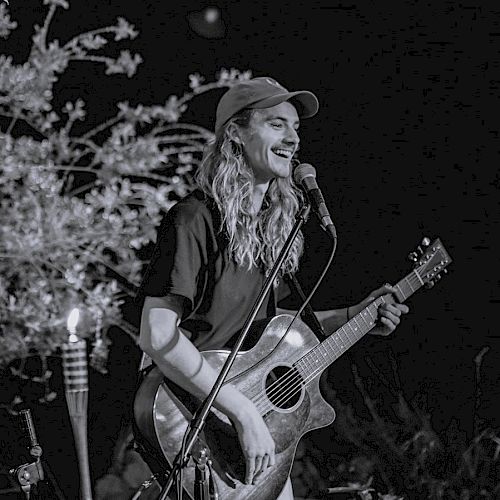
(405, 145)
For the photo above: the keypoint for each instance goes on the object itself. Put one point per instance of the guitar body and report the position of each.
(280, 374)
(162, 418)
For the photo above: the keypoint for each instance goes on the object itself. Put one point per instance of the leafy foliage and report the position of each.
(76, 208)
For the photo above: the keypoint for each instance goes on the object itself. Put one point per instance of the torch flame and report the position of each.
(73, 318)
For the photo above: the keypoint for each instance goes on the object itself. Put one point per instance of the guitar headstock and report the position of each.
(430, 261)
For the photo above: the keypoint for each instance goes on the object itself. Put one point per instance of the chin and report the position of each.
(283, 171)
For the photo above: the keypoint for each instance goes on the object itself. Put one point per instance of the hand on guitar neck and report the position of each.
(389, 312)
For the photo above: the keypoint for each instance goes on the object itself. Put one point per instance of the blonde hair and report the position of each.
(255, 240)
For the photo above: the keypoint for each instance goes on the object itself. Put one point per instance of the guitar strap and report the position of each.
(308, 314)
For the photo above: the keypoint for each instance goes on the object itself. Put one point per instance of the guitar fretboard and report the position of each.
(324, 354)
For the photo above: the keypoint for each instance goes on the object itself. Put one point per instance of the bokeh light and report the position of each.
(207, 22)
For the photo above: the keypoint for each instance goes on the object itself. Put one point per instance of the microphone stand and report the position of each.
(29, 474)
(198, 421)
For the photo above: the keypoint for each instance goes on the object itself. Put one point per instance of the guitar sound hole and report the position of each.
(284, 386)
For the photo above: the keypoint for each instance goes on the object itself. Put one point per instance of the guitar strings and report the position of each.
(290, 377)
(292, 385)
(315, 372)
(340, 349)
(283, 383)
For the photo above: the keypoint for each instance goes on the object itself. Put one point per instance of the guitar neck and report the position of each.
(324, 354)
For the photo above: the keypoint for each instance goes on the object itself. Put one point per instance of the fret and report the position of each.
(334, 340)
(402, 296)
(342, 331)
(418, 276)
(369, 309)
(300, 364)
(363, 317)
(352, 327)
(357, 324)
(308, 367)
(409, 284)
(407, 290)
(346, 341)
(329, 351)
(325, 350)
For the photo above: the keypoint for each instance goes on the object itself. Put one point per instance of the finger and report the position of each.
(397, 309)
(250, 470)
(272, 459)
(391, 313)
(265, 462)
(258, 465)
(392, 308)
(403, 308)
(390, 320)
(384, 289)
(388, 327)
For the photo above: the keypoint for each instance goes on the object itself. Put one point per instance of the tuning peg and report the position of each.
(413, 257)
(429, 284)
(425, 242)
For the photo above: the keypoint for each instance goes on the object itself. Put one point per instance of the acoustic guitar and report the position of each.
(280, 374)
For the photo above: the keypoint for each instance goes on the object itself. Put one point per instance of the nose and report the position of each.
(292, 137)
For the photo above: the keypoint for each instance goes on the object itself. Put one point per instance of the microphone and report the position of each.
(305, 175)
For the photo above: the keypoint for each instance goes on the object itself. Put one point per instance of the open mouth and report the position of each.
(283, 153)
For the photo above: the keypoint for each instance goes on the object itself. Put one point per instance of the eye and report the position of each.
(276, 124)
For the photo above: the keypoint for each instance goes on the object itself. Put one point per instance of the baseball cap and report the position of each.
(259, 93)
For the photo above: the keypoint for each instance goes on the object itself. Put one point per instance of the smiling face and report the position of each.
(270, 141)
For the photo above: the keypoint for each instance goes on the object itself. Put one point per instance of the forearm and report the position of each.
(181, 362)
(331, 320)
(388, 312)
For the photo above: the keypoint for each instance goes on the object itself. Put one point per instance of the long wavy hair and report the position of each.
(255, 240)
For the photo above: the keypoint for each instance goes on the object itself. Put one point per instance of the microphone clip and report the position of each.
(27, 475)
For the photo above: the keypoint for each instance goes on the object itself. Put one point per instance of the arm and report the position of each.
(330, 320)
(181, 362)
(389, 313)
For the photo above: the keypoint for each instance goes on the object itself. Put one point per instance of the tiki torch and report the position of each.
(74, 356)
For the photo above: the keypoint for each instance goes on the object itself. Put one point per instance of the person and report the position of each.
(215, 246)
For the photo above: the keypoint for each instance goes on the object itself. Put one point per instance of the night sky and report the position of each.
(405, 145)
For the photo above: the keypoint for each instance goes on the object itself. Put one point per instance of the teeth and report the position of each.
(284, 152)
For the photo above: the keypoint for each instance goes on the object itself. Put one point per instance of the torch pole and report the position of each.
(77, 390)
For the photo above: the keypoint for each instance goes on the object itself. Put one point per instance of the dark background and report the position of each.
(405, 145)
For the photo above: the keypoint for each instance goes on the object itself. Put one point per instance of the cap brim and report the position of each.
(308, 101)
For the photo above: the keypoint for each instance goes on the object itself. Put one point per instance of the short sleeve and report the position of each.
(175, 264)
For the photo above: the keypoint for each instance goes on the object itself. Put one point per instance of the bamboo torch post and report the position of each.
(74, 357)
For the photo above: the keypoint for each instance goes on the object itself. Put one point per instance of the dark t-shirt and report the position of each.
(191, 259)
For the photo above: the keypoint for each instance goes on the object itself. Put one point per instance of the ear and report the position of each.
(235, 134)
